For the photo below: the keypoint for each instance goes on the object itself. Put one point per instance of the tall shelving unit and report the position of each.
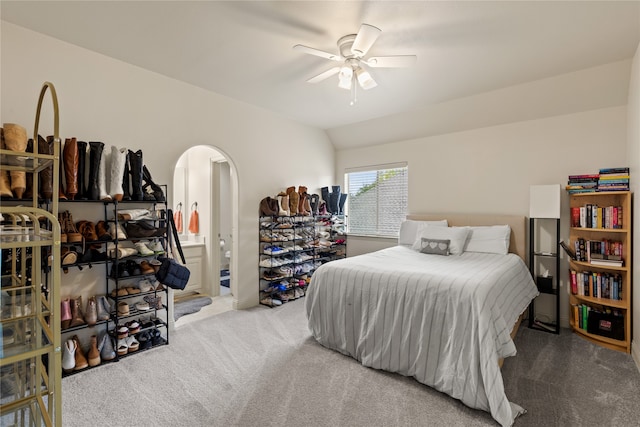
(30, 355)
(608, 309)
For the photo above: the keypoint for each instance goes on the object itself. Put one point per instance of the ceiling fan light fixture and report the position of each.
(365, 79)
(344, 77)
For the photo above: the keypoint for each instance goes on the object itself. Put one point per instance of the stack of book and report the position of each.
(583, 183)
(614, 179)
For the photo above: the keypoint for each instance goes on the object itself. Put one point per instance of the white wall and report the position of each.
(102, 99)
(633, 145)
(489, 170)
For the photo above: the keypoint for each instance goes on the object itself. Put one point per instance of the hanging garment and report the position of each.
(194, 226)
(177, 219)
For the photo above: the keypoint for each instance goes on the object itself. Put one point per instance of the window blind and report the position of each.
(377, 202)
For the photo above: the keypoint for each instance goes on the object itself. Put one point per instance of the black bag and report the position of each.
(171, 273)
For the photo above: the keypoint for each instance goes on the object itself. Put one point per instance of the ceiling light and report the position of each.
(344, 78)
(365, 79)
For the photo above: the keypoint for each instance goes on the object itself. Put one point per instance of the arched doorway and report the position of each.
(205, 180)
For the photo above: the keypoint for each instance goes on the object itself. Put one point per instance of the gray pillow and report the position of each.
(435, 246)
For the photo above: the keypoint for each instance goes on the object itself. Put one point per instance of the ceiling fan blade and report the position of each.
(324, 75)
(365, 38)
(398, 61)
(316, 52)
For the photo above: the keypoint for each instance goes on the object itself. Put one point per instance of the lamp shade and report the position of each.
(544, 201)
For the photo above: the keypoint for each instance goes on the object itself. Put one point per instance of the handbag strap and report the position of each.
(174, 232)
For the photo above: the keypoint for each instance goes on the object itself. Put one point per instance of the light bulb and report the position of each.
(365, 79)
(345, 77)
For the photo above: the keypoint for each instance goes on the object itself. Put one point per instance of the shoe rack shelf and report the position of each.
(30, 356)
(291, 249)
(152, 329)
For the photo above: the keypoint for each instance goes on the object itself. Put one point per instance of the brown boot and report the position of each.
(76, 312)
(46, 175)
(61, 220)
(302, 195)
(91, 314)
(102, 231)
(81, 360)
(88, 230)
(94, 355)
(294, 199)
(70, 158)
(73, 236)
(5, 185)
(15, 139)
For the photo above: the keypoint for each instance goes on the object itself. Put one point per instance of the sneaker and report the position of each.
(143, 249)
(156, 247)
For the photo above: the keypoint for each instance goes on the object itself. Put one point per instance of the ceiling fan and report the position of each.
(353, 48)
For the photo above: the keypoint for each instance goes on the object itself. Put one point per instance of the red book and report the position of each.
(575, 217)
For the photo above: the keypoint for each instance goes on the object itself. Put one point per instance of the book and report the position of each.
(606, 263)
(568, 250)
(614, 170)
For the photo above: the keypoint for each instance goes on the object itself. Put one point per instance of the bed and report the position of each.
(447, 321)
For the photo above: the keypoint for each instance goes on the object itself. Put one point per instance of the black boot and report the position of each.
(135, 166)
(156, 190)
(46, 175)
(28, 193)
(325, 196)
(314, 202)
(334, 199)
(95, 155)
(343, 198)
(126, 180)
(82, 161)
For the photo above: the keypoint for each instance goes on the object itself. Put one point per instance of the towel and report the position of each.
(177, 218)
(193, 222)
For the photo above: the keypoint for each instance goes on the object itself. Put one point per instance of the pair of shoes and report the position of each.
(156, 337)
(134, 327)
(122, 331)
(143, 229)
(88, 230)
(142, 306)
(127, 345)
(154, 302)
(271, 302)
(71, 313)
(116, 232)
(146, 268)
(144, 338)
(123, 308)
(145, 285)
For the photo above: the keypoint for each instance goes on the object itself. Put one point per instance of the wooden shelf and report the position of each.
(623, 235)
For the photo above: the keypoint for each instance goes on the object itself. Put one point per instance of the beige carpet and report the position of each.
(260, 367)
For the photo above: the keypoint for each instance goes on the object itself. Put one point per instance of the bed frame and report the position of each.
(516, 243)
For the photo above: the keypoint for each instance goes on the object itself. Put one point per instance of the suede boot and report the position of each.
(93, 355)
(81, 360)
(82, 161)
(302, 192)
(91, 314)
(95, 156)
(61, 194)
(105, 345)
(76, 312)
(294, 199)
(283, 204)
(15, 139)
(118, 160)
(46, 175)
(70, 159)
(65, 313)
(28, 193)
(103, 307)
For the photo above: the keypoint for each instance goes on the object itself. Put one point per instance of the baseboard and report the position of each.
(635, 353)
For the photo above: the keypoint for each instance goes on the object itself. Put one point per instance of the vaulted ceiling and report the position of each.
(243, 49)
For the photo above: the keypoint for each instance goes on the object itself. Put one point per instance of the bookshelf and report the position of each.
(600, 279)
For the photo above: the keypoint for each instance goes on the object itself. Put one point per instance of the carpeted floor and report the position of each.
(261, 367)
(189, 306)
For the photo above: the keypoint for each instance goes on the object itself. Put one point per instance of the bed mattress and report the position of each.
(444, 320)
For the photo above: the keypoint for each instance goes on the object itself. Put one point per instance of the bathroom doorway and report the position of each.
(203, 188)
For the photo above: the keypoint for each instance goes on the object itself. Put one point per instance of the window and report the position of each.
(377, 202)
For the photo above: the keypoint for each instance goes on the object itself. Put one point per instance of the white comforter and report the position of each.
(445, 320)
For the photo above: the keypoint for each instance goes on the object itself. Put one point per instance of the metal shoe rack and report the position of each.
(297, 237)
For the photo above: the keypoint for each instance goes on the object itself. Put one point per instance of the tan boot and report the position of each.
(302, 200)
(5, 185)
(91, 314)
(81, 360)
(61, 194)
(294, 199)
(15, 139)
(70, 159)
(76, 313)
(94, 355)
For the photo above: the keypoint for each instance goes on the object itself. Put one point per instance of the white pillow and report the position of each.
(457, 237)
(493, 239)
(409, 230)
